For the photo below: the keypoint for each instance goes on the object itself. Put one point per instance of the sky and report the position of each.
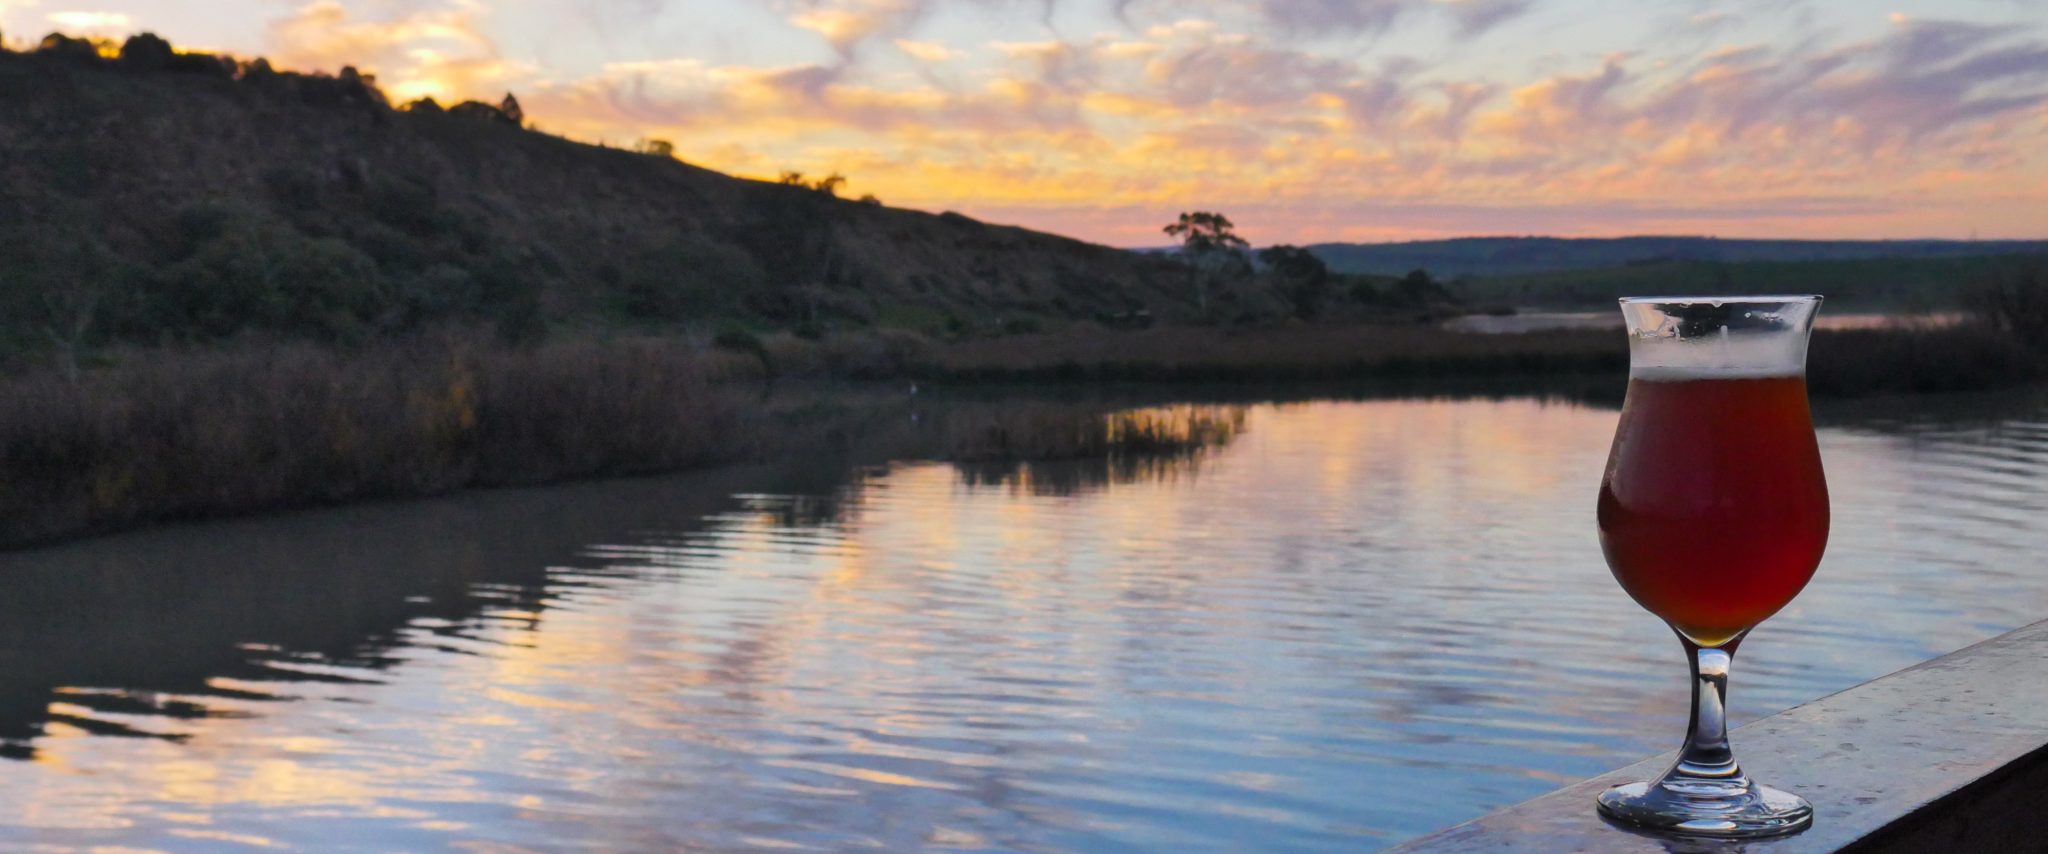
(1302, 120)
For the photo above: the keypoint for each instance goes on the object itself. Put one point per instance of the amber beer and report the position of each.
(1714, 511)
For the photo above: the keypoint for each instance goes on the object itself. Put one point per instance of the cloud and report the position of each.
(1475, 17)
(1261, 106)
(846, 23)
(926, 51)
(95, 23)
(442, 53)
(1923, 81)
(1243, 73)
(1340, 16)
(1322, 18)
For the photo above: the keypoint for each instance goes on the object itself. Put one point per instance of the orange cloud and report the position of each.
(1105, 133)
(441, 53)
(927, 51)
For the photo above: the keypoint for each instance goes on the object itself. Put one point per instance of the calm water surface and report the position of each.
(1358, 622)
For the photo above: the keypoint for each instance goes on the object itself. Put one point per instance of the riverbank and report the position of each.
(165, 435)
(1842, 362)
(174, 435)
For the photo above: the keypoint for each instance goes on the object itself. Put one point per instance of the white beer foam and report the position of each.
(1676, 373)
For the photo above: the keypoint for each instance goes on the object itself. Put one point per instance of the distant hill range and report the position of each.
(1503, 256)
(149, 195)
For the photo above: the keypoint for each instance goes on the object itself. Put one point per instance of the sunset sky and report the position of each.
(1304, 120)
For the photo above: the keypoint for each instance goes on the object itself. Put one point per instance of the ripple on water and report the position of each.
(1359, 622)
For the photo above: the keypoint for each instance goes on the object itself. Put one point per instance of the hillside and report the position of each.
(161, 197)
(1502, 256)
(1909, 285)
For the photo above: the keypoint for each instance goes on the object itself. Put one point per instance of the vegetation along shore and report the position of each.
(226, 287)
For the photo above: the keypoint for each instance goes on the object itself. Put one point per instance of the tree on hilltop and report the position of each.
(828, 185)
(1210, 245)
(146, 51)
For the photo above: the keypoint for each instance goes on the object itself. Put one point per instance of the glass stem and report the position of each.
(1707, 758)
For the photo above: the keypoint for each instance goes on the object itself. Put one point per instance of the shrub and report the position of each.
(686, 278)
(522, 323)
(737, 340)
(260, 274)
(295, 189)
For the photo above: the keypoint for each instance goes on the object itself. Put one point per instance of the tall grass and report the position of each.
(1294, 352)
(1050, 431)
(1966, 356)
(163, 435)
(180, 435)
(1064, 448)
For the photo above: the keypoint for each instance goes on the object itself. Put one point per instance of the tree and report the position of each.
(61, 45)
(146, 52)
(59, 278)
(513, 113)
(1304, 278)
(830, 184)
(1210, 245)
(1204, 232)
(656, 148)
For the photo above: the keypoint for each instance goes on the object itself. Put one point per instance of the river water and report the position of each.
(1357, 622)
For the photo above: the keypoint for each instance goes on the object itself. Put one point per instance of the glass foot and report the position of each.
(1728, 809)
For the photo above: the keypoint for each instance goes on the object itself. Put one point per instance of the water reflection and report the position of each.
(131, 635)
(1353, 622)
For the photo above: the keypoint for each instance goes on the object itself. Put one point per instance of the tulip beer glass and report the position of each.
(1713, 514)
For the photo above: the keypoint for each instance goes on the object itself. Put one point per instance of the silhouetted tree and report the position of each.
(1417, 286)
(146, 52)
(1203, 231)
(513, 113)
(1210, 245)
(1304, 278)
(356, 87)
(424, 105)
(869, 199)
(481, 111)
(66, 47)
(829, 185)
(656, 148)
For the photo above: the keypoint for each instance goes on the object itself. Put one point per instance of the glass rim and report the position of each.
(1740, 300)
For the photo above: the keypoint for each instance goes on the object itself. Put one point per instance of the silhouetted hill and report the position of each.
(1496, 256)
(158, 196)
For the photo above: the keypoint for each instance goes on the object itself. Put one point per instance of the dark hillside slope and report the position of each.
(194, 198)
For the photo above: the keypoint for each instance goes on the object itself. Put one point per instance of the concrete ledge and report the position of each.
(1949, 755)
